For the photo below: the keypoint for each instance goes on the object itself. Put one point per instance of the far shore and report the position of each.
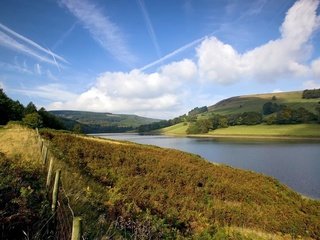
(244, 136)
(295, 132)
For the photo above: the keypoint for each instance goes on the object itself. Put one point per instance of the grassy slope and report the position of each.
(255, 102)
(105, 119)
(23, 201)
(178, 194)
(177, 129)
(297, 130)
(290, 130)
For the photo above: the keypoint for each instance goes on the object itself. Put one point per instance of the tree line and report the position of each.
(11, 110)
(311, 93)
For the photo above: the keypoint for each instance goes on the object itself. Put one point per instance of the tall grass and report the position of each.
(126, 189)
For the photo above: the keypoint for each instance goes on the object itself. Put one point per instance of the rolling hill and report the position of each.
(101, 122)
(254, 103)
(296, 117)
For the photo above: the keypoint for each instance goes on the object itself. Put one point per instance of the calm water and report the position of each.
(294, 163)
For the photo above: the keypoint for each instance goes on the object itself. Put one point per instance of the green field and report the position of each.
(178, 129)
(255, 102)
(290, 130)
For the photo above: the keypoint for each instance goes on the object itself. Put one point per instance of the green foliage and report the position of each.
(313, 93)
(30, 108)
(200, 126)
(33, 120)
(270, 107)
(175, 194)
(49, 120)
(9, 109)
(287, 115)
(251, 118)
(14, 111)
(198, 110)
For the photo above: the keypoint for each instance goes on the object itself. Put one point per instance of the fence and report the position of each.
(62, 224)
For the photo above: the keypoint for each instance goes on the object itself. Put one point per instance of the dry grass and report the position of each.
(19, 142)
(260, 235)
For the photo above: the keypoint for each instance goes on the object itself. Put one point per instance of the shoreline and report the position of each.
(241, 136)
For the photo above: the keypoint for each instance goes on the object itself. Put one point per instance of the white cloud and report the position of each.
(102, 29)
(53, 92)
(136, 92)
(311, 84)
(277, 91)
(16, 67)
(286, 56)
(316, 68)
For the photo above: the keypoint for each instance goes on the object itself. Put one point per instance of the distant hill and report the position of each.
(240, 113)
(254, 103)
(91, 122)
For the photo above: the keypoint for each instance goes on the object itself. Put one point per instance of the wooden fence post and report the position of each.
(37, 131)
(55, 191)
(49, 173)
(76, 228)
(45, 154)
(41, 144)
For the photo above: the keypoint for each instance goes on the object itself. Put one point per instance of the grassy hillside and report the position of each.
(23, 200)
(289, 130)
(104, 119)
(171, 194)
(297, 130)
(248, 103)
(124, 190)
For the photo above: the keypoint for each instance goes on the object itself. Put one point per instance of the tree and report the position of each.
(200, 126)
(49, 120)
(313, 93)
(198, 110)
(251, 118)
(30, 108)
(9, 109)
(318, 112)
(270, 107)
(33, 120)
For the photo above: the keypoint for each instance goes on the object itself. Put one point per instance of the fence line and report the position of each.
(62, 219)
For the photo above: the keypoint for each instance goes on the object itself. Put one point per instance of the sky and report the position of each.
(155, 58)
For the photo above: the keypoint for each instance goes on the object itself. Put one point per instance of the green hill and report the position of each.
(101, 122)
(254, 103)
(280, 115)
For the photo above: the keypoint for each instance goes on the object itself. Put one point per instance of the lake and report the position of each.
(296, 164)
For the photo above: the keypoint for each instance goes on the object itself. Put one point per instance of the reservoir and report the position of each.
(296, 164)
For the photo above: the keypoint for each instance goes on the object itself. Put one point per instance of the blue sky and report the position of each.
(156, 58)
